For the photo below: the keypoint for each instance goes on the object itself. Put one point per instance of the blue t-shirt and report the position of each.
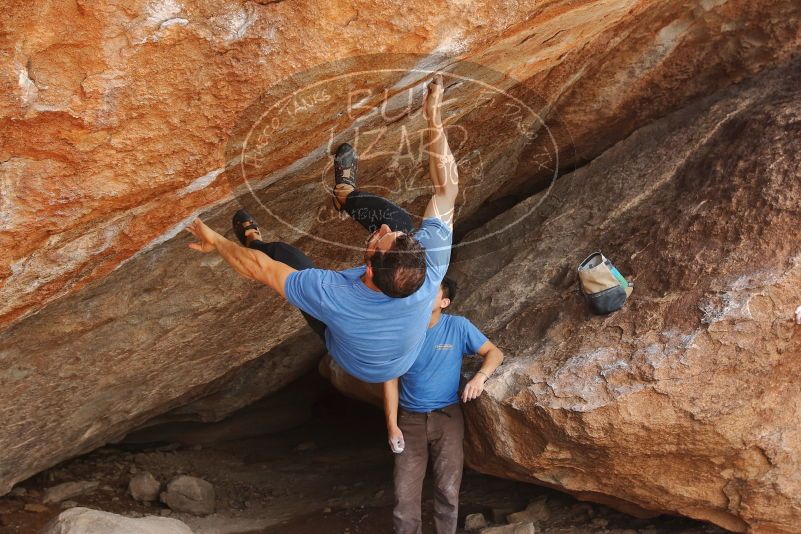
(433, 380)
(373, 337)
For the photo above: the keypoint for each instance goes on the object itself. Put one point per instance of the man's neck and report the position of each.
(369, 283)
(434, 318)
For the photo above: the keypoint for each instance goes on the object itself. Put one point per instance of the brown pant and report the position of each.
(442, 431)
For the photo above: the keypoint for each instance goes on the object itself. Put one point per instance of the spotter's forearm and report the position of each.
(492, 360)
(391, 403)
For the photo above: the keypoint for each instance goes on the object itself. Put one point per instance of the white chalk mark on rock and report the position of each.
(169, 234)
(161, 11)
(160, 15)
(28, 89)
(433, 62)
(173, 22)
(201, 183)
(238, 23)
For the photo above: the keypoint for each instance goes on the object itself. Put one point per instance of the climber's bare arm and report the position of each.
(493, 357)
(247, 262)
(441, 163)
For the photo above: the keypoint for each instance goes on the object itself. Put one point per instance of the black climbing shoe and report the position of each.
(241, 223)
(345, 163)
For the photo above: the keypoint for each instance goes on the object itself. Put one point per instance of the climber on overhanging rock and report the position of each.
(430, 419)
(372, 318)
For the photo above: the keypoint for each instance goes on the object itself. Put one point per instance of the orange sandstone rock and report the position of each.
(121, 120)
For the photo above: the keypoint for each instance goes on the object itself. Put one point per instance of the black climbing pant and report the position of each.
(372, 211)
(296, 259)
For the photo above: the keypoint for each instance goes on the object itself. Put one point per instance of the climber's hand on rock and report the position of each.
(474, 388)
(205, 236)
(396, 442)
(798, 315)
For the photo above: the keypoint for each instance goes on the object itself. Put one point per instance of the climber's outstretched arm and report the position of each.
(441, 163)
(249, 263)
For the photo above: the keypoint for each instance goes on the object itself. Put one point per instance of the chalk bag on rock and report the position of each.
(602, 285)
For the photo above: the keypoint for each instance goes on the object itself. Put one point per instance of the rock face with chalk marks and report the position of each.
(122, 120)
(116, 115)
(685, 401)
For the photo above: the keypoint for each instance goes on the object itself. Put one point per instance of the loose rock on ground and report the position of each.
(144, 487)
(68, 490)
(86, 521)
(189, 494)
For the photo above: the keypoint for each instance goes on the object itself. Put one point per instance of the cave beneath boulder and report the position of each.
(330, 471)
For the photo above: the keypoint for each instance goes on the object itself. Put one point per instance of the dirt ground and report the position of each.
(333, 474)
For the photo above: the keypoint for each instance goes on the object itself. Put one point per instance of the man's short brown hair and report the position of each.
(400, 270)
(449, 288)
